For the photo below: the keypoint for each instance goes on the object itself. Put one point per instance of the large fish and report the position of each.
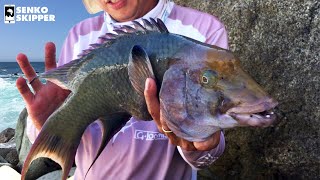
(203, 89)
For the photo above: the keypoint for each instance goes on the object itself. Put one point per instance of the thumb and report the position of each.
(150, 94)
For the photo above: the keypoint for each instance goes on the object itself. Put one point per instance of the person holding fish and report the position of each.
(138, 149)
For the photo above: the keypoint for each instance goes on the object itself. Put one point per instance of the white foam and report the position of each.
(3, 83)
(11, 103)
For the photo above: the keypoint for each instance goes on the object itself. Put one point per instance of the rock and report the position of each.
(12, 157)
(8, 173)
(38, 167)
(7, 147)
(11, 144)
(6, 135)
(22, 142)
(2, 160)
(8, 153)
(278, 44)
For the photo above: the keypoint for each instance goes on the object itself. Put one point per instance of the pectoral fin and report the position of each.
(139, 68)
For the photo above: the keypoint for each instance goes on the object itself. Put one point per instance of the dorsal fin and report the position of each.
(126, 31)
(162, 27)
(120, 32)
(148, 25)
(139, 27)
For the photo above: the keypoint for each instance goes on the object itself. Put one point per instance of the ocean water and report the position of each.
(11, 102)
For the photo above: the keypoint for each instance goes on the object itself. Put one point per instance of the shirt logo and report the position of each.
(149, 135)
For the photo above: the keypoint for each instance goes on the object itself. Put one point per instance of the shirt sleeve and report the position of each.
(219, 38)
(67, 51)
(202, 159)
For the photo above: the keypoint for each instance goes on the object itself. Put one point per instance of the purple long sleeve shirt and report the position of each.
(139, 150)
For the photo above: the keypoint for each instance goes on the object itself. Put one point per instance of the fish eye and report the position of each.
(209, 78)
(205, 80)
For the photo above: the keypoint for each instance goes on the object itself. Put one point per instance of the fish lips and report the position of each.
(260, 114)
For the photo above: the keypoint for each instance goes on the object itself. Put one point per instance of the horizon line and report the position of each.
(36, 60)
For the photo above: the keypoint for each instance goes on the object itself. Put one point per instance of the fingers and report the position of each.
(28, 71)
(210, 143)
(184, 144)
(50, 56)
(150, 94)
(187, 145)
(24, 90)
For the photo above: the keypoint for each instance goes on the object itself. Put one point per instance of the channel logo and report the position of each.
(9, 14)
(14, 14)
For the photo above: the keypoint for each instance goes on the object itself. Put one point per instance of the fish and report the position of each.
(202, 89)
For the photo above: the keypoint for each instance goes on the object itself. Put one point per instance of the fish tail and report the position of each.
(53, 147)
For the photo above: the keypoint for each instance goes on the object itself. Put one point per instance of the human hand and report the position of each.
(46, 98)
(153, 104)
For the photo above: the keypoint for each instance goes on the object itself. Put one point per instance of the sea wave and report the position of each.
(11, 103)
(15, 75)
(3, 83)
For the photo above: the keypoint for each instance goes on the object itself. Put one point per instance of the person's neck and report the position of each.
(150, 4)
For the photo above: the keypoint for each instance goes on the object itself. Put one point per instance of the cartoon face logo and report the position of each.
(9, 14)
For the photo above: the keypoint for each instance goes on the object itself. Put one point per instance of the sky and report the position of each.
(30, 37)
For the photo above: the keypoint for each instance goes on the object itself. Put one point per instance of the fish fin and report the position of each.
(139, 68)
(139, 26)
(162, 27)
(128, 29)
(53, 147)
(125, 31)
(149, 25)
(111, 124)
(62, 75)
(120, 32)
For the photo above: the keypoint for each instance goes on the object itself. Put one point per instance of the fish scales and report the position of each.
(202, 90)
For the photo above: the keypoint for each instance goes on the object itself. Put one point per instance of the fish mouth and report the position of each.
(260, 114)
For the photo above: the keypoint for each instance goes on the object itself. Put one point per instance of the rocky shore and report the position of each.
(8, 152)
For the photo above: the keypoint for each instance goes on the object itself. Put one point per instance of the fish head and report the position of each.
(201, 96)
